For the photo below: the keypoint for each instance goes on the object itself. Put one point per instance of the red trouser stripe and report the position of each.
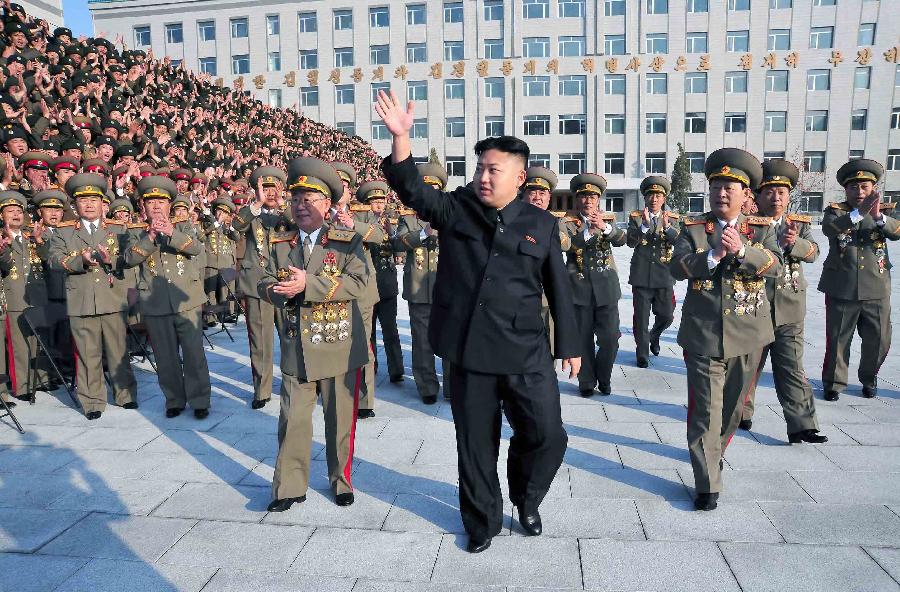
(349, 468)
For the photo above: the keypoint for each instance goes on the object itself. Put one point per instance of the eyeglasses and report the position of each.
(308, 202)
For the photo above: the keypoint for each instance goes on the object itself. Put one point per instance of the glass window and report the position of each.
(536, 86)
(735, 82)
(614, 84)
(379, 17)
(309, 59)
(810, 201)
(859, 119)
(240, 64)
(696, 203)
(738, 4)
(419, 128)
(348, 127)
(571, 8)
(572, 125)
(895, 118)
(345, 94)
(570, 46)
(614, 163)
(417, 90)
(494, 126)
(309, 96)
(737, 41)
(493, 10)
(818, 80)
(493, 49)
(416, 14)
(696, 160)
(777, 81)
(735, 123)
(657, 84)
(536, 47)
(779, 4)
(614, 44)
(656, 123)
(379, 54)
(542, 160)
(416, 53)
(697, 42)
(893, 160)
(817, 121)
(174, 33)
(866, 34)
(698, 5)
(779, 39)
(535, 9)
(695, 83)
(821, 37)
(378, 87)
(456, 166)
(453, 50)
(275, 97)
(206, 30)
(273, 24)
(239, 28)
(824, 2)
(343, 57)
(614, 202)
(772, 155)
(494, 88)
(814, 162)
(614, 123)
(572, 86)
(657, 43)
(571, 163)
(657, 6)
(456, 127)
(537, 125)
(307, 22)
(453, 12)
(380, 131)
(274, 61)
(142, 36)
(454, 89)
(209, 66)
(776, 121)
(343, 20)
(614, 8)
(862, 78)
(655, 163)
(695, 123)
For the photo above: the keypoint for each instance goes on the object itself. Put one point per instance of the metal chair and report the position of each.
(44, 317)
(7, 410)
(138, 332)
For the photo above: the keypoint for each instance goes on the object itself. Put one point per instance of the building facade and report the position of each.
(49, 10)
(608, 86)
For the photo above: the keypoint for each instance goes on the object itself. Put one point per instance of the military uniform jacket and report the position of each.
(368, 226)
(592, 267)
(92, 290)
(220, 245)
(170, 278)
(787, 292)
(726, 312)
(486, 315)
(323, 334)
(652, 251)
(858, 266)
(258, 230)
(22, 266)
(382, 255)
(420, 267)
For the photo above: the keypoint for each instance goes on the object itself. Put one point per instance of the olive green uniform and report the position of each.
(369, 227)
(220, 254)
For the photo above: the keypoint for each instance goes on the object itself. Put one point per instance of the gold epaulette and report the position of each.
(558, 214)
(180, 219)
(116, 222)
(360, 208)
(608, 217)
(141, 225)
(68, 224)
(887, 206)
(575, 220)
(799, 218)
(636, 214)
(759, 220)
(394, 220)
(282, 237)
(674, 216)
(344, 236)
(406, 212)
(694, 221)
(839, 205)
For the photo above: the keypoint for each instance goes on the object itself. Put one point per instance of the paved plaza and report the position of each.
(136, 502)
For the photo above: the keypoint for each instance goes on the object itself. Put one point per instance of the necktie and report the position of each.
(653, 224)
(90, 228)
(19, 239)
(307, 250)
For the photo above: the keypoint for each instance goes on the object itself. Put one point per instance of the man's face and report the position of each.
(179, 212)
(37, 177)
(8, 111)
(654, 201)
(498, 177)
(270, 195)
(125, 160)
(310, 208)
(72, 152)
(378, 206)
(19, 40)
(773, 200)
(157, 207)
(105, 152)
(50, 216)
(122, 216)
(89, 207)
(87, 135)
(858, 191)
(110, 131)
(13, 217)
(15, 68)
(63, 175)
(17, 147)
(182, 185)
(726, 198)
(538, 197)
(587, 203)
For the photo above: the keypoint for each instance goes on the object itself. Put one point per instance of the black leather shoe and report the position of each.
(281, 505)
(654, 346)
(344, 499)
(605, 390)
(396, 378)
(130, 405)
(174, 412)
(870, 392)
(430, 399)
(586, 392)
(831, 395)
(201, 413)
(27, 397)
(477, 545)
(10, 404)
(259, 403)
(745, 424)
(531, 523)
(706, 501)
(92, 415)
(643, 363)
(365, 413)
(811, 436)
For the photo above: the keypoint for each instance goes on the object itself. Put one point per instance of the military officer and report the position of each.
(220, 252)
(726, 318)
(257, 222)
(90, 252)
(52, 205)
(652, 233)
(595, 283)
(419, 241)
(171, 296)
(787, 297)
(316, 274)
(374, 195)
(856, 278)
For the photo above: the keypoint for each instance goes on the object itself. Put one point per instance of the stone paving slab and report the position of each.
(744, 485)
(589, 518)
(103, 575)
(834, 524)
(24, 530)
(857, 487)
(319, 509)
(865, 458)
(678, 521)
(34, 573)
(888, 559)
(627, 484)
(137, 497)
(425, 513)
(211, 501)
(876, 434)
(238, 581)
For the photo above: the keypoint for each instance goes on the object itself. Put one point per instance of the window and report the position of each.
(695, 123)
(209, 66)
(824, 2)
(536, 47)
(493, 10)
(810, 201)
(614, 123)
(494, 88)
(614, 84)
(455, 127)
(779, 39)
(453, 12)
(859, 119)
(456, 166)
(818, 80)
(862, 77)
(309, 59)
(379, 54)
(571, 164)
(614, 163)
(416, 14)
(343, 56)
(206, 31)
(307, 22)
(537, 125)
(614, 8)
(655, 163)
(142, 36)
(657, 6)
(343, 20)
(895, 118)
(494, 126)
(697, 42)
(380, 86)
(453, 50)
(535, 9)
(866, 34)
(657, 43)
(419, 128)
(275, 97)
(821, 37)
(454, 89)
(345, 94)
(891, 197)
(348, 127)
(417, 90)
(656, 123)
(274, 61)
(737, 41)
(416, 53)
(379, 17)
(273, 25)
(239, 28)
(493, 49)
(536, 86)
(380, 131)
(240, 64)
(696, 160)
(777, 81)
(774, 4)
(570, 46)
(657, 84)
(572, 86)
(772, 155)
(614, 44)
(735, 123)
(309, 96)
(174, 33)
(738, 4)
(735, 82)
(776, 121)
(814, 162)
(696, 203)
(571, 8)
(695, 83)
(614, 202)
(572, 125)
(698, 5)
(893, 160)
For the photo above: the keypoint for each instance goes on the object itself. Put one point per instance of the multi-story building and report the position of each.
(610, 86)
(49, 10)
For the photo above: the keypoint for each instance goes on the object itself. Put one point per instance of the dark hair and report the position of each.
(508, 144)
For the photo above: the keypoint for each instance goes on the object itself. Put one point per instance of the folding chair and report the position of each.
(138, 332)
(7, 411)
(44, 317)
(229, 276)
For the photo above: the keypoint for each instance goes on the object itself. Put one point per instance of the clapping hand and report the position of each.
(293, 286)
(731, 241)
(397, 119)
(788, 235)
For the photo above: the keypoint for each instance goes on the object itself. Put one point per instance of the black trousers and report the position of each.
(661, 301)
(531, 404)
(599, 326)
(385, 312)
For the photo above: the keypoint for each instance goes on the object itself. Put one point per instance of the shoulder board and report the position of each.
(839, 205)
(674, 216)
(115, 222)
(799, 218)
(141, 225)
(636, 214)
(574, 220)
(558, 214)
(344, 236)
(609, 217)
(694, 221)
(68, 224)
(180, 219)
(887, 206)
(406, 212)
(759, 220)
(282, 237)
(26, 231)
(360, 208)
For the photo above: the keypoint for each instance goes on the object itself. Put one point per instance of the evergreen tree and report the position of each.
(433, 157)
(681, 183)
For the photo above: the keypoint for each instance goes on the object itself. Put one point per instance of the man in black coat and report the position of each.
(498, 254)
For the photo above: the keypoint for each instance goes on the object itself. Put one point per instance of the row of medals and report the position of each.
(878, 244)
(749, 295)
(330, 321)
(35, 265)
(420, 257)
